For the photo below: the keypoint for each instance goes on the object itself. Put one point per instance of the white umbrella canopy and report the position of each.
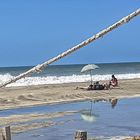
(89, 67)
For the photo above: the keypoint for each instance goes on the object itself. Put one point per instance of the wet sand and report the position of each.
(15, 97)
(26, 122)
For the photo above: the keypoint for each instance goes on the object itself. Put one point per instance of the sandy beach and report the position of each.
(17, 97)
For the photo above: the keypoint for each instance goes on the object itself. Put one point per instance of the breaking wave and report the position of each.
(38, 80)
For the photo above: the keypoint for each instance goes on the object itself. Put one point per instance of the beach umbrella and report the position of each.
(89, 68)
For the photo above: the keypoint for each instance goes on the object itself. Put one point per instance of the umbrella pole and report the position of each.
(91, 76)
(91, 108)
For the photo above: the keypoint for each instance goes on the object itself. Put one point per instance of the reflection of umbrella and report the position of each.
(88, 115)
(89, 67)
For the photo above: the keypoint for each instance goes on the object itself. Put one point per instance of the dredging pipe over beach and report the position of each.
(40, 67)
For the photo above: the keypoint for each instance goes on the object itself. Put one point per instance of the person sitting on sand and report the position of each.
(90, 87)
(96, 86)
(113, 82)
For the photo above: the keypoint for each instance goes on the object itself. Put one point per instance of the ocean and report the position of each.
(58, 74)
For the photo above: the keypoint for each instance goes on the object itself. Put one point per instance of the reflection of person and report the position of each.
(113, 102)
(113, 82)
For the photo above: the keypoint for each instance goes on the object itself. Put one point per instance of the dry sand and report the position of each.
(16, 97)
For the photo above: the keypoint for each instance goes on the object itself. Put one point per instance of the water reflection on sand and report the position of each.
(100, 118)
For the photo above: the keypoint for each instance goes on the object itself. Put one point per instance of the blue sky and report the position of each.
(33, 31)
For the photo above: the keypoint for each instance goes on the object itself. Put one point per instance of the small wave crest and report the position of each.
(62, 79)
(5, 77)
(112, 137)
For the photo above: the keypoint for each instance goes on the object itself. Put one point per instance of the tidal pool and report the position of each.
(99, 119)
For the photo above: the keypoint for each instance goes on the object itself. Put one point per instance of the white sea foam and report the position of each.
(62, 79)
(112, 138)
